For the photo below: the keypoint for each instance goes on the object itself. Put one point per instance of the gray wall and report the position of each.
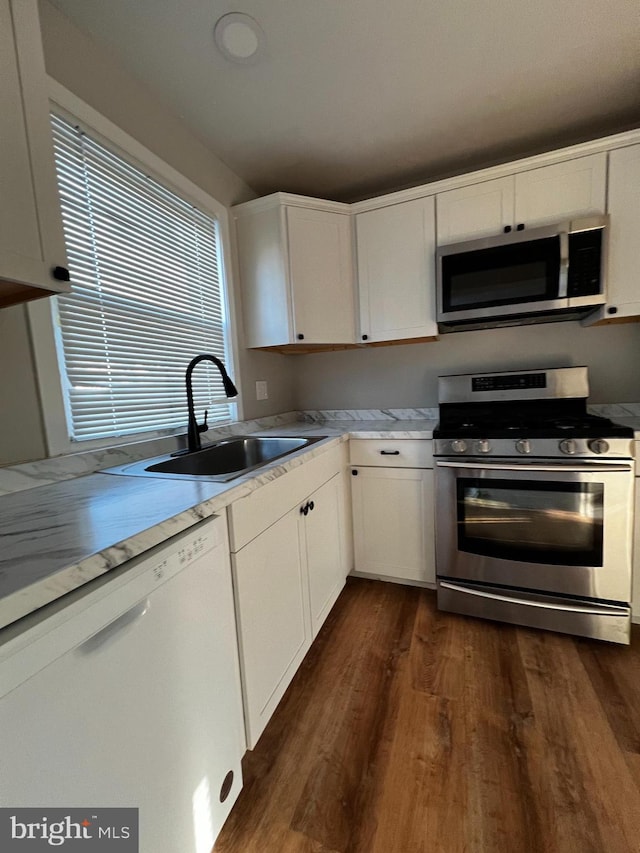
(406, 375)
(83, 67)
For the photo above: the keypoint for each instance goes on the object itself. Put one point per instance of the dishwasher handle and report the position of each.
(114, 628)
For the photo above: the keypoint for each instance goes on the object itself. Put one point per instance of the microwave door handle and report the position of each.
(563, 281)
(546, 469)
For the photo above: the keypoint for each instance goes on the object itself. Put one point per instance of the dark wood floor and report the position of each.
(407, 730)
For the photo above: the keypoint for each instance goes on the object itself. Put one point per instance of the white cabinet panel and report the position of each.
(538, 197)
(31, 239)
(323, 536)
(561, 191)
(396, 271)
(393, 523)
(479, 210)
(321, 274)
(272, 613)
(623, 279)
(635, 589)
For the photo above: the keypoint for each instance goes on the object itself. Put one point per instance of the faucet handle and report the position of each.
(204, 426)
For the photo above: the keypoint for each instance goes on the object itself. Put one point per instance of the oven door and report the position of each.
(550, 527)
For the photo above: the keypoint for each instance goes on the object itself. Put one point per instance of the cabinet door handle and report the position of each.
(61, 274)
(389, 453)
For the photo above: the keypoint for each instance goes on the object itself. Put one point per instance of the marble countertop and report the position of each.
(61, 535)
(63, 522)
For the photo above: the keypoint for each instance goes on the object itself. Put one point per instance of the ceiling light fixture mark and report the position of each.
(239, 37)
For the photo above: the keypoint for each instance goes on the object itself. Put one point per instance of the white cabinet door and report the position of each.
(479, 210)
(534, 198)
(31, 240)
(321, 275)
(396, 271)
(323, 536)
(561, 191)
(635, 588)
(393, 523)
(272, 612)
(623, 280)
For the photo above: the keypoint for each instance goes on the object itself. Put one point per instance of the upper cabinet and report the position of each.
(32, 254)
(396, 271)
(296, 271)
(623, 278)
(527, 199)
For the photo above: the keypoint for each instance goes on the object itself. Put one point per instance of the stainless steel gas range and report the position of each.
(534, 510)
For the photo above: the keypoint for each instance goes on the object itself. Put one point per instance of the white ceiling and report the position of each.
(355, 97)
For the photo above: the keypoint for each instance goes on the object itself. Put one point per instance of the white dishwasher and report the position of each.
(127, 693)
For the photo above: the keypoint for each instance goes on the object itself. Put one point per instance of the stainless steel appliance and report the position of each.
(525, 276)
(534, 503)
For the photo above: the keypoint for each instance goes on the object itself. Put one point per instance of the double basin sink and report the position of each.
(220, 462)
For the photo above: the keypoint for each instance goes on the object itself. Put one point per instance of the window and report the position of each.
(147, 296)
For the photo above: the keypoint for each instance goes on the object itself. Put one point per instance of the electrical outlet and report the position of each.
(261, 390)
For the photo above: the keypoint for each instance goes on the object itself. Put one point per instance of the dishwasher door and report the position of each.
(130, 696)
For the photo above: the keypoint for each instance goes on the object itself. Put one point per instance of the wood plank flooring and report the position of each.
(407, 730)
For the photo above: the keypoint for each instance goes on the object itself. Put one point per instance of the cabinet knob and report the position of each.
(612, 309)
(365, 337)
(311, 506)
(61, 274)
(354, 472)
(300, 336)
(507, 229)
(304, 510)
(520, 226)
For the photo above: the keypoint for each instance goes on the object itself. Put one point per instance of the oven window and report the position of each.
(551, 523)
(505, 275)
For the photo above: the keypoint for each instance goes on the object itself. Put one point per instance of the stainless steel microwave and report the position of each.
(543, 274)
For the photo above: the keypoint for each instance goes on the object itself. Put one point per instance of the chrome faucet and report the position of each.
(194, 428)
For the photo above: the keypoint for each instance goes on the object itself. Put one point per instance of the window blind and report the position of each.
(147, 296)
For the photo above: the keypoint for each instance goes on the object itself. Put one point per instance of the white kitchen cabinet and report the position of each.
(296, 271)
(396, 271)
(289, 566)
(635, 589)
(32, 254)
(533, 198)
(623, 277)
(393, 510)
(479, 210)
(324, 551)
(272, 612)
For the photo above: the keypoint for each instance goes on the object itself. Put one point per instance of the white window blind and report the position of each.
(147, 296)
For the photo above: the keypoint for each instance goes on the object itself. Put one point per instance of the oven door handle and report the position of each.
(586, 468)
(600, 610)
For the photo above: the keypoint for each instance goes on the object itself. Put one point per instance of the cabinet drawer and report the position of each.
(392, 453)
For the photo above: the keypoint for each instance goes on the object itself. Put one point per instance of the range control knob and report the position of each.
(523, 445)
(568, 445)
(599, 445)
(482, 446)
(458, 445)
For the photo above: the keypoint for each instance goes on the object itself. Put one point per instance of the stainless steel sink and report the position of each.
(225, 460)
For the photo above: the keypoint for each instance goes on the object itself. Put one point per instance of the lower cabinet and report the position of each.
(635, 589)
(287, 576)
(393, 510)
